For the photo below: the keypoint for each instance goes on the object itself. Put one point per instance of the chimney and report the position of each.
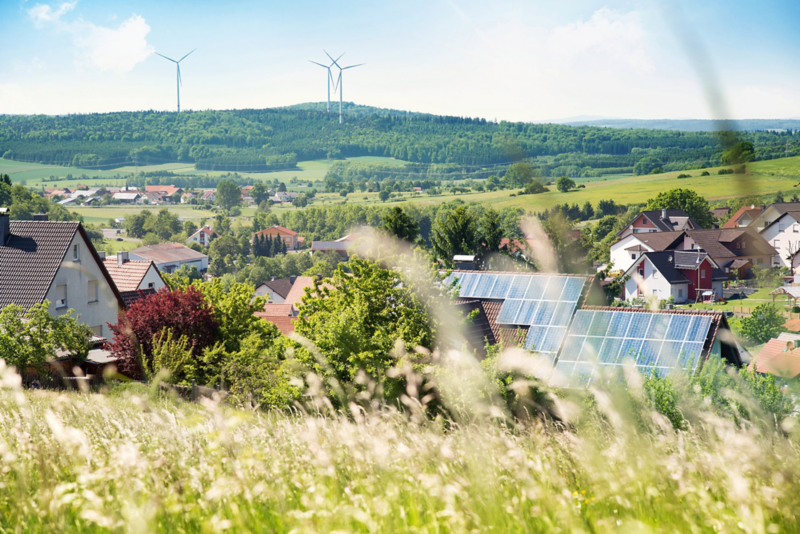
(102, 254)
(664, 213)
(292, 279)
(5, 226)
(122, 257)
(763, 207)
(40, 217)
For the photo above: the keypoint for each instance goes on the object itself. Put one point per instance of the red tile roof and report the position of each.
(752, 212)
(129, 275)
(778, 358)
(277, 310)
(168, 189)
(278, 228)
(285, 324)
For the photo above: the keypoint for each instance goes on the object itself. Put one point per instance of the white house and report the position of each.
(628, 249)
(275, 291)
(783, 234)
(133, 276)
(202, 237)
(170, 256)
(56, 261)
(682, 275)
(772, 213)
(664, 220)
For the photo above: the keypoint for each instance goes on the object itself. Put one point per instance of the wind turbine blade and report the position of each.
(353, 66)
(334, 61)
(320, 64)
(165, 57)
(187, 55)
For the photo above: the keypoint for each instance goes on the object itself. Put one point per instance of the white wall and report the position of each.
(76, 276)
(784, 236)
(653, 284)
(272, 298)
(152, 277)
(621, 258)
(201, 264)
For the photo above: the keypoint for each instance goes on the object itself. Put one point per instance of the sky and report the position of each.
(518, 60)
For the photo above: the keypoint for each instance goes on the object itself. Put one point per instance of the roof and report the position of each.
(298, 290)
(720, 212)
(280, 287)
(677, 219)
(168, 189)
(713, 241)
(464, 257)
(285, 324)
(129, 297)
(792, 324)
(277, 310)
(277, 228)
(168, 252)
(738, 264)
(126, 196)
(330, 245)
(778, 358)
(478, 331)
(129, 275)
(792, 291)
(751, 211)
(31, 257)
(672, 263)
(207, 229)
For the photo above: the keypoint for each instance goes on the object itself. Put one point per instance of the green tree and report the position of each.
(282, 187)
(490, 227)
(534, 188)
(358, 321)
(31, 338)
(164, 225)
(687, 200)
(300, 201)
(228, 194)
(397, 223)
(604, 227)
(646, 165)
(259, 193)
(454, 233)
(564, 184)
(519, 174)
(218, 252)
(384, 194)
(742, 152)
(764, 323)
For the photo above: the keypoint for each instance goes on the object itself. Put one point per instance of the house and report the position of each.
(731, 248)
(275, 291)
(465, 262)
(744, 216)
(133, 276)
(664, 220)
(778, 357)
(683, 275)
(284, 196)
(170, 256)
(628, 249)
(127, 197)
(56, 261)
(209, 195)
(154, 197)
(283, 315)
(289, 237)
(340, 247)
(718, 214)
(771, 213)
(783, 234)
(202, 237)
(167, 190)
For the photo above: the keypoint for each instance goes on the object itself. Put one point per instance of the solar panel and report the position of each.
(467, 282)
(562, 313)
(518, 287)
(536, 287)
(655, 342)
(526, 312)
(500, 287)
(483, 287)
(555, 288)
(572, 288)
(509, 311)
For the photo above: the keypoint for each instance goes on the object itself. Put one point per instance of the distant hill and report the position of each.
(691, 125)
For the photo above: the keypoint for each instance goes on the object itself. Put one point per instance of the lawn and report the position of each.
(101, 215)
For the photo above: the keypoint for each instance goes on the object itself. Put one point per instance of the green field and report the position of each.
(102, 214)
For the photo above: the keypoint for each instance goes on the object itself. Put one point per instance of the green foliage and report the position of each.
(170, 355)
(742, 152)
(398, 224)
(33, 337)
(228, 195)
(490, 230)
(534, 188)
(234, 307)
(258, 375)
(646, 165)
(764, 323)
(725, 171)
(663, 397)
(564, 184)
(183, 276)
(454, 233)
(604, 227)
(693, 204)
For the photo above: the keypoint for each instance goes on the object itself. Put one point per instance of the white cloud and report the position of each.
(119, 49)
(607, 37)
(43, 13)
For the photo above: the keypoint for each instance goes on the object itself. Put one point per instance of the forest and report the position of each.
(270, 139)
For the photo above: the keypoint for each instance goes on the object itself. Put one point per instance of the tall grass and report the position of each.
(133, 461)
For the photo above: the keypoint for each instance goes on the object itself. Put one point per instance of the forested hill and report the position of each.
(692, 125)
(268, 139)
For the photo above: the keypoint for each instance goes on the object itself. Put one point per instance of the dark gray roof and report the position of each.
(32, 255)
(678, 215)
(129, 297)
(281, 287)
(670, 263)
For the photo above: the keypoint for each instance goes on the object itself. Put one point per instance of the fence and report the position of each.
(746, 311)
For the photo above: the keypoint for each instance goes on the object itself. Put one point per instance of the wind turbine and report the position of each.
(330, 78)
(179, 82)
(339, 82)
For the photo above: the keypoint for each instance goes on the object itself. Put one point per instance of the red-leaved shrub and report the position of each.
(182, 311)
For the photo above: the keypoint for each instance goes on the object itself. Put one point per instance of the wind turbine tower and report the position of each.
(339, 82)
(179, 82)
(330, 77)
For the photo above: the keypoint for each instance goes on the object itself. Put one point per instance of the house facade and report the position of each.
(784, 235)
(729, 246)
(202, 237)
(275, 291)
(665, 220)
(133, 277)
(744, 216)
(684, 276)
(289, 237)
(56, 261)
(628, 249)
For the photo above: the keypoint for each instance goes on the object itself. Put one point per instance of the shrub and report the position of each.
(682, 176)
(705, 173)
(725, 171)
(764, 323)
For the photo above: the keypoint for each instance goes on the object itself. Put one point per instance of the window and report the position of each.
(744, 245)
(150, 285)
(760, 261)
(92, 290)
(795, 229)
(97, 331)
(76, 252)
(702, 273)
(680, 293)
(61, 296)
(633, 256)
(776, 243)
(655, 292)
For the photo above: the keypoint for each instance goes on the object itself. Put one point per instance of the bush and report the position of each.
(705, 173)
(764, 323)
(725, 171)
(682, 176)
(534, 188)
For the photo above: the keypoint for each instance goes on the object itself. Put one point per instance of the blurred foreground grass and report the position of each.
(131, 461)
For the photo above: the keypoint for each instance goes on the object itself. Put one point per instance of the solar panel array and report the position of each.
(543, 303)
(600, 340)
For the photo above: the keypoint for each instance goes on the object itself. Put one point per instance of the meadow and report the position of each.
(130, 459)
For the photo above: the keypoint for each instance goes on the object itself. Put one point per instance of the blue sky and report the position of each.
(507, 59)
